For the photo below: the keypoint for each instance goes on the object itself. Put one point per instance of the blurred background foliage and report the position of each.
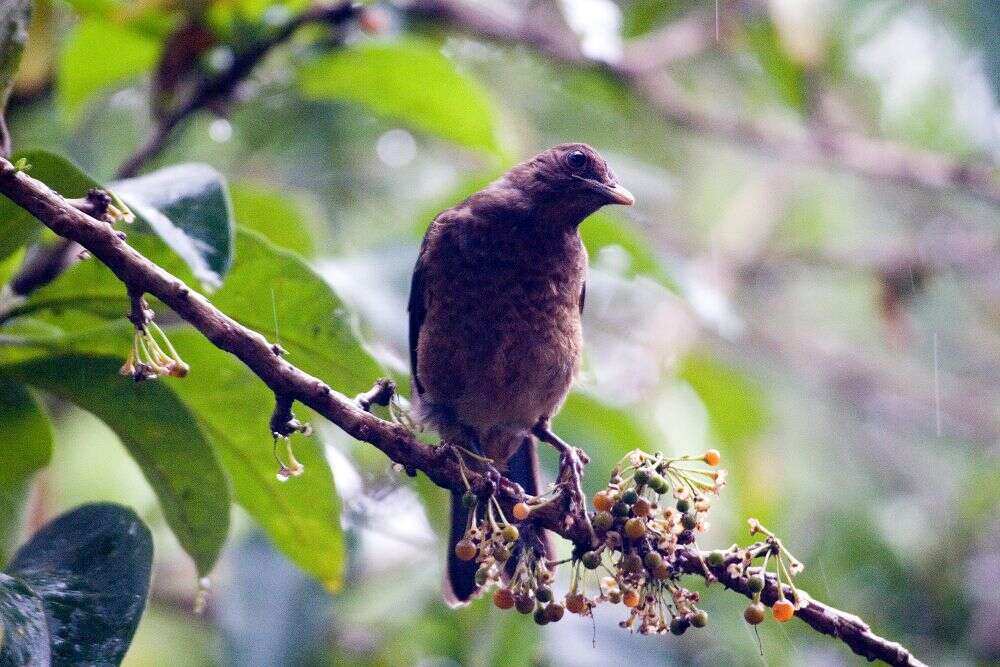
(748, 302)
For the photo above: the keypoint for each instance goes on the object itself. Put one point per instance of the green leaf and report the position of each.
(99, 54)
(787, 75)
(161, 435)
(274, 214)
(17, 226)
(603, 230)
(731, 399)
(91, 569)
(27, 449)
(409, 81)
(302, 515)
(25, 630)
(188, 207)
(15, 17)
(275, 292)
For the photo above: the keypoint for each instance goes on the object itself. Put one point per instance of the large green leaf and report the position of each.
(188, 207)
(27, 448)
(273, 291)
(98, 54)
(733, 401)
(17, 226)
(15, 17)
(302, 515)
(160, 433)
(409, 81)
(274, 214)
(91, 569)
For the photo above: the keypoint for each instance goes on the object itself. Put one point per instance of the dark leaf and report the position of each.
(91, 569)
(187, 206)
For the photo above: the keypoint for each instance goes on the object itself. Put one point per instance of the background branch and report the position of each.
(640, 70)
(141, 276)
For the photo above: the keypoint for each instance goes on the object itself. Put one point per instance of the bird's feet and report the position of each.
(571, 462)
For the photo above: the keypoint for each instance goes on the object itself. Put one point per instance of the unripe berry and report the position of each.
(632, 563)
(469, 500)
(641, 476)
(699, 619)
(689, 520)
(510, 533)
(629, 497)
(683, 505)
(716, 558)
(521, 511)
(619, 509)
(603, 521)
(652, 561)
(554, 612)
(591, 560)
(662, 571)
(482, 575)
(465, 550)
(754, 613)
(755, 583)
(635, 528)
(679, 624)
(658, 484)
(524, 603)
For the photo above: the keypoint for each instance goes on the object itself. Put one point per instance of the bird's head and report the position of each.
(571, 180)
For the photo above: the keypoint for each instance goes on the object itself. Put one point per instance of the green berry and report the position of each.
(755, 583)
(641, 476)
(683, 505)
(652, 561)
(658, 484)
(630, 496)
(591, 560)
(620, 509)
(716, 558)
(510, 533)
(699, 619)
(469, 500)
(603, 521)
(689, 520)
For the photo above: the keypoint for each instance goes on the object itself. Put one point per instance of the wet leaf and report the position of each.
(91, 569)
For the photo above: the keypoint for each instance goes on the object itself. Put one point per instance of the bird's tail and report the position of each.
(460, 581)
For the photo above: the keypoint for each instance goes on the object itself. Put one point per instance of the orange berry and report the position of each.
(631, 599)
(635, 528)
(503, 598)
(783, 610)
(465, 550)
(603, 501)
(712, 457)
(521, 511)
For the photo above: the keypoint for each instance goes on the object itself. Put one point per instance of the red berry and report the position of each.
(503, 598)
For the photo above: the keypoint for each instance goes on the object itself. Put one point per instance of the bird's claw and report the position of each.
(571, 462)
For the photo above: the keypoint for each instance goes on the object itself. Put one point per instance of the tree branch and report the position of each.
(640, 71)
(141, 276)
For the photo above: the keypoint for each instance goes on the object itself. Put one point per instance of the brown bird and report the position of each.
(495, 305)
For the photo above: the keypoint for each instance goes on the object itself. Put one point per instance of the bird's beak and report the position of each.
(619, 195)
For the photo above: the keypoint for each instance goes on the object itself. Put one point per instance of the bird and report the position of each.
(495, 305)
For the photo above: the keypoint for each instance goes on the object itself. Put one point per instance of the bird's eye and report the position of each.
(577, 160)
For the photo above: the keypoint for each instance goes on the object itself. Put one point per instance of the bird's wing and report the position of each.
(583, 296)
(418, 310)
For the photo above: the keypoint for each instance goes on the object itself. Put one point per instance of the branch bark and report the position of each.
(141, 276)
(640, 70)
